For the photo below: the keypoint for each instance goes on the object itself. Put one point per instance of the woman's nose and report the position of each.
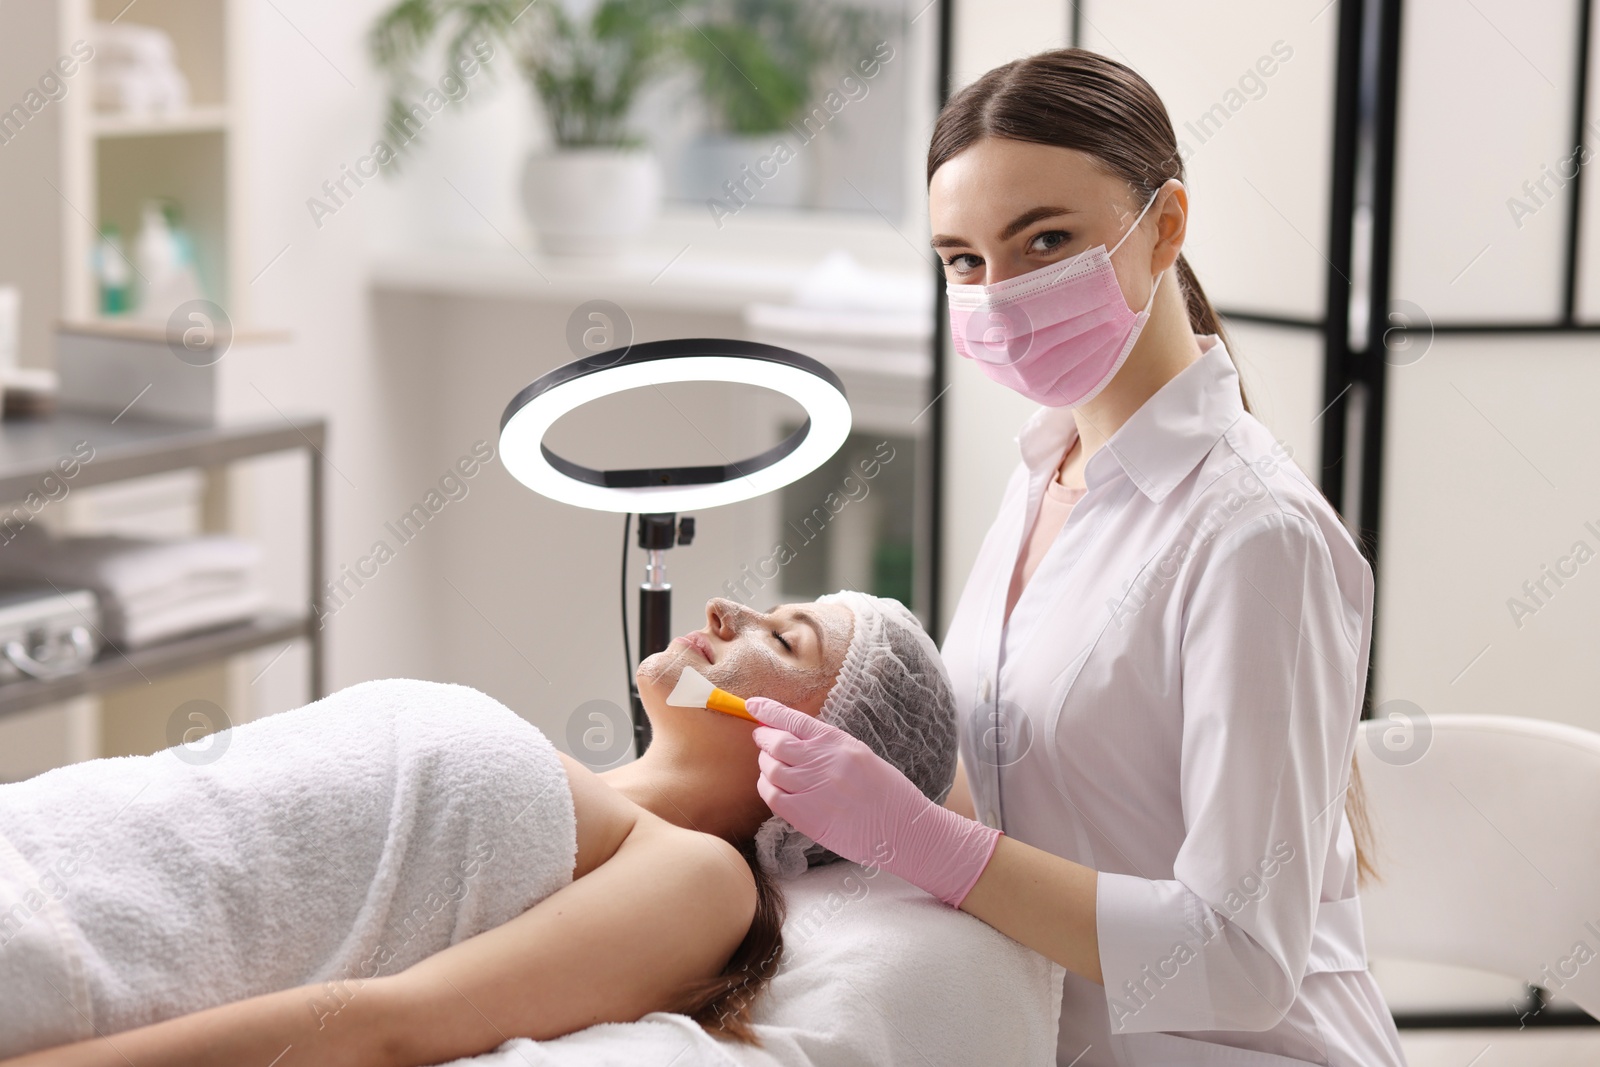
(723, 617)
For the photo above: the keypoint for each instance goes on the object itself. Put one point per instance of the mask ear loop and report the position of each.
(1140, 218)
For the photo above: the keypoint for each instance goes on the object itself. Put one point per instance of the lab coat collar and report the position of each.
(1162, 441)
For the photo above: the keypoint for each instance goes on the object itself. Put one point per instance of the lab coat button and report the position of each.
(985, 690)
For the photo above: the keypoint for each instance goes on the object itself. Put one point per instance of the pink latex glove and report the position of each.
(838, 792)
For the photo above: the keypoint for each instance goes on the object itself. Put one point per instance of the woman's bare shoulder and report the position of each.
(705, 878)
(605, 817)
(722, 881)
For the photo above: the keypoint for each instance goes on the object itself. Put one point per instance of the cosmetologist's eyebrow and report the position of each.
(1014, 227)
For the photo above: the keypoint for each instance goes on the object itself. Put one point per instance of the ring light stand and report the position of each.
(657, 494)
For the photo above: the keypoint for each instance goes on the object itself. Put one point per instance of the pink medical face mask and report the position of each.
(1056, 335)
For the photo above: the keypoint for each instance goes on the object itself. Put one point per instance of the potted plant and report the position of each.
(757, 64)
(599, 184)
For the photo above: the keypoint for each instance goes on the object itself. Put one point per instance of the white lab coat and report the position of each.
(1174, 703)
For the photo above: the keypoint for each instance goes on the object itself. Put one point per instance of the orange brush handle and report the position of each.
(725, 702)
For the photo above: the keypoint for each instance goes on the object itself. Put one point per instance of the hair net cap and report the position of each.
(892, 694)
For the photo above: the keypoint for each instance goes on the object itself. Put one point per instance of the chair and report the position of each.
(1487, 840)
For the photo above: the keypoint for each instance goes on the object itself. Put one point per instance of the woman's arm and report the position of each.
(293, 1025)
(670, 906)
(1033, 896)
(1042, 900)
(959, 799)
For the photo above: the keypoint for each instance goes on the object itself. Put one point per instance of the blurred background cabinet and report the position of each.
(80, 167)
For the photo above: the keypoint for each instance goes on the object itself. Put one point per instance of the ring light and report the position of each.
(645, 490)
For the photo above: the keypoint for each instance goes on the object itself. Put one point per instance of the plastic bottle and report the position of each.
(111, 272)
(166, 263)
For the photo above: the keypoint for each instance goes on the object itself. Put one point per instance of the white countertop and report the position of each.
(679, 266)
(643, 278)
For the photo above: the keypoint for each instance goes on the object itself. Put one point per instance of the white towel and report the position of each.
(136, 629)
(136, 69)
(149, 589)
(874, 972)
(128, 567)
(345, 839)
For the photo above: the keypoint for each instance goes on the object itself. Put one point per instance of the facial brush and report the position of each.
(694, 691)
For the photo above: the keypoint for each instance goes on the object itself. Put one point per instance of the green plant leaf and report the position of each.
(760, 63)
(587, 74)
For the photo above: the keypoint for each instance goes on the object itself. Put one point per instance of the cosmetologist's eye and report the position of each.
(1051, 241)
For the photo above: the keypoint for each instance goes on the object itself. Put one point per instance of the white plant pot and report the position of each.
(584, 201)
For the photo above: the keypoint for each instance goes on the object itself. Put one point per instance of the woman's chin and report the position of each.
(660, 670)
(658, 675)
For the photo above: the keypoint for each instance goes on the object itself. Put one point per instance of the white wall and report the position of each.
(30, 246)
(311, 103)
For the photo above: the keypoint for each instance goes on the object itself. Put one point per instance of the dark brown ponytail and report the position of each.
(1073, 98)
(722, 1004)
(1203, 317)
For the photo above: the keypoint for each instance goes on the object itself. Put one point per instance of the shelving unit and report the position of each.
(115, 669)
(212, 119)
(135, 448)
(112, 164)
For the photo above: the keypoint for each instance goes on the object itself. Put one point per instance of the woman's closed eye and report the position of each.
(783, 641)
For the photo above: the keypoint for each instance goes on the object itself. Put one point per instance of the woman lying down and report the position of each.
(406, 872)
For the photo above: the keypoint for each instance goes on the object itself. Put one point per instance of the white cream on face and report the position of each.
(753, 662)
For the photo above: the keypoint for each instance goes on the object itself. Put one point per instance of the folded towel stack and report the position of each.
(137, 70)
(150, 589)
